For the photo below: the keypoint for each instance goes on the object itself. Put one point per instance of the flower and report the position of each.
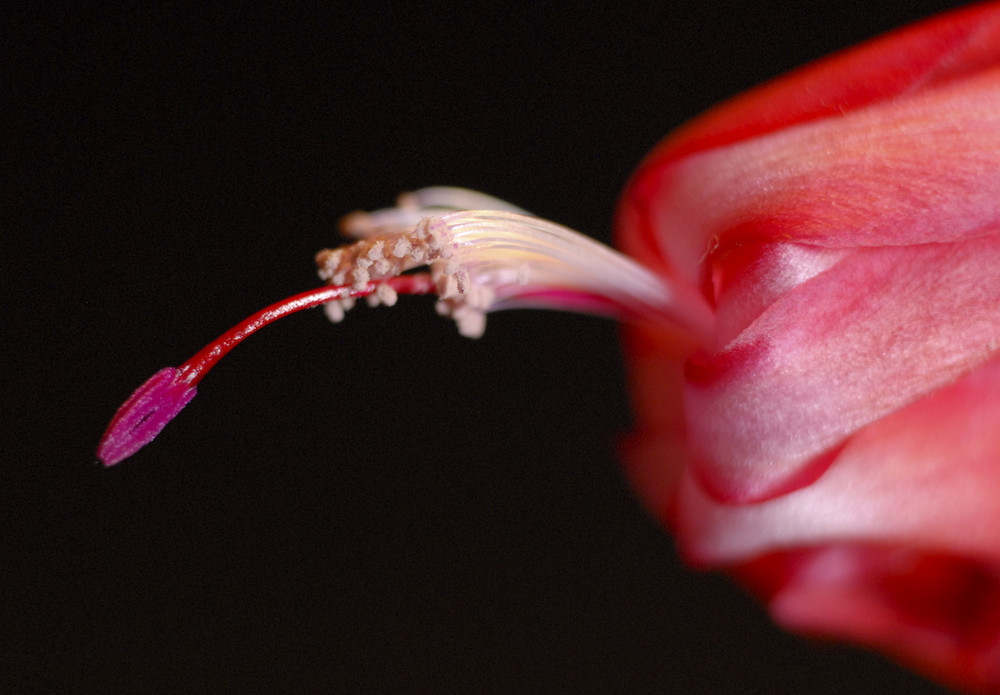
(813, 302)
(835, 444)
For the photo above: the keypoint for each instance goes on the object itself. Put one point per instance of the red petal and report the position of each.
(883, 78)
(937, 612)
(919, 57)
(917, 170)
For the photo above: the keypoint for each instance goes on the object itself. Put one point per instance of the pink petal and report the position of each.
(925, 476)
(844, 223)
(893, 546)
(877, 330)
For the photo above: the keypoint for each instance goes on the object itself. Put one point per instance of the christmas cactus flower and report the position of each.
(811, 293)
(835, 444)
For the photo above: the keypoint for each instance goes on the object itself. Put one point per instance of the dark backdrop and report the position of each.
(380, 505)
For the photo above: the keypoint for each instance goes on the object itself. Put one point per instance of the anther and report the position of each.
(359, 278)
(334, 311)
(386, 295)
(401, 248)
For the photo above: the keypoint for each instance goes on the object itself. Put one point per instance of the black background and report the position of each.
(380, 505)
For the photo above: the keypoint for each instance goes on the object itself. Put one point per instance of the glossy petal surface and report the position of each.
(836, 444)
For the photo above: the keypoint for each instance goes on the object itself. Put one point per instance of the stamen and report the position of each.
(490, 258)
(386, 295)
(522, 260)
(412, 207)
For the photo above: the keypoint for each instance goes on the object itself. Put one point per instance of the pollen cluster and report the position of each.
(379, 257)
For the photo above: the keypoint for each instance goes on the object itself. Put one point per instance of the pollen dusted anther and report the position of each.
(427, 243)
(483, 255)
